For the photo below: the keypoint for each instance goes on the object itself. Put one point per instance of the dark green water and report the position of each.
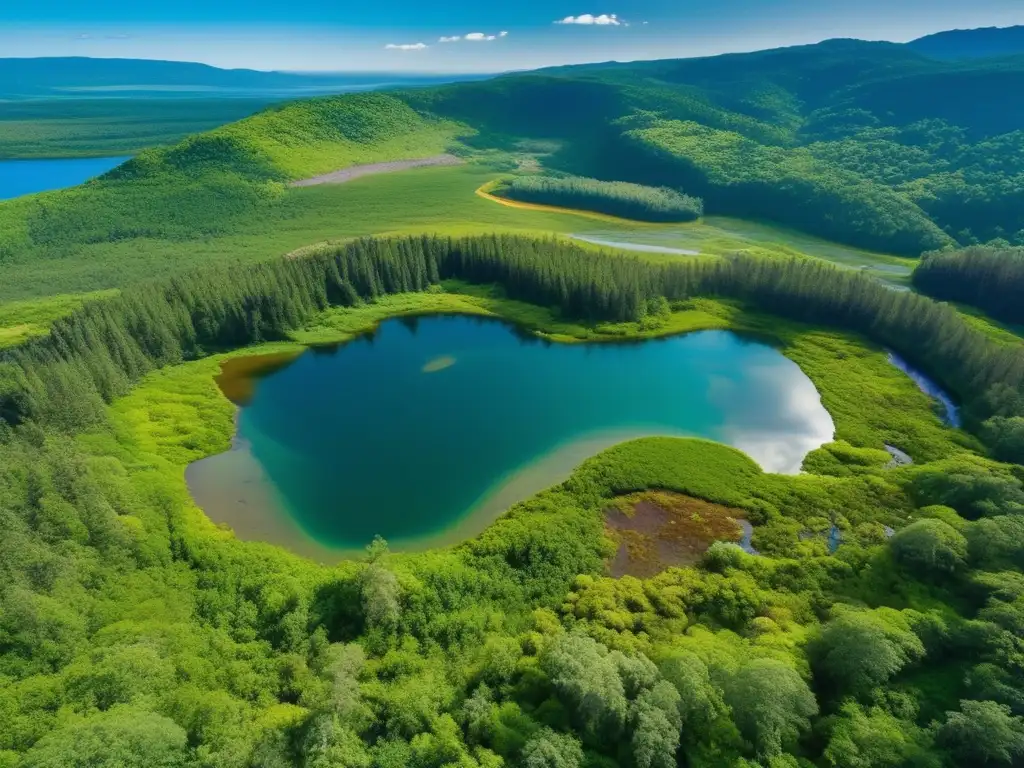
(426, 431)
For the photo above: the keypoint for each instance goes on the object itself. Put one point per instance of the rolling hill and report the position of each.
(868, 144)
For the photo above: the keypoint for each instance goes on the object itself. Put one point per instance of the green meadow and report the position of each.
(436, 200)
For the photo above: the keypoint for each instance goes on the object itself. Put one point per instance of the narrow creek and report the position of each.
(951, 412)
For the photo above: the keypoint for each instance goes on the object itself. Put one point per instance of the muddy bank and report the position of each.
(356, 171)
(658, 529)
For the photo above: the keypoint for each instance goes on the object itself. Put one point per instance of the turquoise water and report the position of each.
(427, 430)
(24, 177)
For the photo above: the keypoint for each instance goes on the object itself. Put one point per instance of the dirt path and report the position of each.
(355, 171)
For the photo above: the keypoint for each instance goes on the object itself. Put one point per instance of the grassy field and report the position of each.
(422, 200)
(33, 293)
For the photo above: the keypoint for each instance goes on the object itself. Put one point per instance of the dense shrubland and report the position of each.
(134, 633)
(616, 198)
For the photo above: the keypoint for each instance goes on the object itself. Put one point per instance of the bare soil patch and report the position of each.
(355, 171)
(238, 375)
(658, 529)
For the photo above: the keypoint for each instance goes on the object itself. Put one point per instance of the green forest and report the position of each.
(842, 139)
(834, 140)
(991, 279)
(134, 634)
(616, 198)
(875, 617)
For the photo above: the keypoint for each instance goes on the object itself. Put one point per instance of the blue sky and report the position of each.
(405, 35)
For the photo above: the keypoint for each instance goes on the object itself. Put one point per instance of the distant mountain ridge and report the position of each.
(972, 43)
(55, 76)
(42, 77)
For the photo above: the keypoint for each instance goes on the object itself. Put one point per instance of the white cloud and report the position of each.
(473, 37)
(588, 19)
(406, 46)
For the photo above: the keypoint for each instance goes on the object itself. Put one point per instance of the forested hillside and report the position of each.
(868, 143)
(846, 140)
(874, 616)
(215, 182)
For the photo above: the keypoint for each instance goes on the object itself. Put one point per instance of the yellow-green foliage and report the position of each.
(303, 139)
(22, 320)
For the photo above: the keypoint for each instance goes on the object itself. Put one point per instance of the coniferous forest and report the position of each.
(617, 198)
(991, 279)
(98, 352)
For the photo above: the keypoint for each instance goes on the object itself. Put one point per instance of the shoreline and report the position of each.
(260, 514)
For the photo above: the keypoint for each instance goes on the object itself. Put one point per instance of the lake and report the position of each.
(24, 177)
(427, 430)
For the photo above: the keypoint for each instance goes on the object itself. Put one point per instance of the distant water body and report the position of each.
(25, 177)
(426, 431)
(634, 246)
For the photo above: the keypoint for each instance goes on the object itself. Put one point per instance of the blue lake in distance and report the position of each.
(24, 177)
(427, 430)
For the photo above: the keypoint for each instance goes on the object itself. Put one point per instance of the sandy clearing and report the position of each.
(355, 171)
